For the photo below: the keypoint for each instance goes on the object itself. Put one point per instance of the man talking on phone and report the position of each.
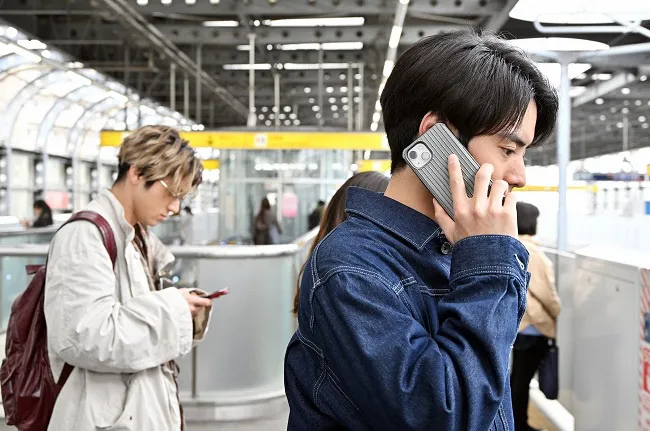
(407, 317)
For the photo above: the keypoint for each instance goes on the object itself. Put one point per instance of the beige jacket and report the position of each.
(113, 329)
(543, 302)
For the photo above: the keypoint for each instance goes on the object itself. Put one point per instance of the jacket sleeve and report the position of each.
(89, 328)
(454, 379)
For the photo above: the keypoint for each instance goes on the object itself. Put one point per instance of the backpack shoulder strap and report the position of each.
(109, 242)
(104, 228)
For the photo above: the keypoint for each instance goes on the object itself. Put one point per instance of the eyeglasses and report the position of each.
(178, 196)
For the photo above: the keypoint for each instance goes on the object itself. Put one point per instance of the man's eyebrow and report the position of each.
(517, 140)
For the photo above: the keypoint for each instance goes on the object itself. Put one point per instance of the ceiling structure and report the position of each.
(207, 41)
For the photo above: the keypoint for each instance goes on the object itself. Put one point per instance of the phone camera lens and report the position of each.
(413, 155)
(426, 156)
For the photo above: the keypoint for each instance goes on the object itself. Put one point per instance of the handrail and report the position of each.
(179, 251)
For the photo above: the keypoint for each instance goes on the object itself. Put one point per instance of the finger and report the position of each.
(499, 190)
(482, 185)
(510, 202)
(442, 218)
(456, 183)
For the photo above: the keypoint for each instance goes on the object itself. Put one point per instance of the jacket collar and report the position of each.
(410, 225)
(108, 200)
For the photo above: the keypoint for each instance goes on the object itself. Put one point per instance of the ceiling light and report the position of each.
(332, 100)
(265, 109)
(11, 32)
(603, 118)
(190, 1)
(601, 76)
(344, 100)
(599, 101)
(271, 116)
(261, 117)
(625, 90)
(307, 90)
(642, 119)
(346, 107)
(388, 68)
(46, 54)
(375, 117)
(625, 111)
(344, 89)
(336, 115)
(74, 65)
(315, 108)
(395, 35)
(576, 91)
(293, 116)
(117, 96)
(312, 46)
(580, 11)
(314, 66)
(287, 109)
(24, 53)
(31, 44)
(342, 76)
(166, 2)
(356, 99)
(642, 78)
(553, 71)
(558, 44)
(296, 122)
(283, 116)
(312, 100)
(318, 115)
(329, 89)
(214, 1)
(268, 122)
(287, 122)
(143, 2)
(258, 66)
(373, 127)
(645, 125)
(226, 23)
(377, 106)
(638, 103)
(334, 108)
(317, 22)
(619, 125)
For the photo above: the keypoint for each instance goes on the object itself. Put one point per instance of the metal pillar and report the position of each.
(626, 132)
(350, 98)
(361, 98)
(186, 95)
(276, 97)
(126, 85)
(563, 152)
(321, 121)
(199, 61)
(211, 119)
(252, 118)
(172, 87)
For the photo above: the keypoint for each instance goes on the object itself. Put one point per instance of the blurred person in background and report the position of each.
(334, 213)
(266, 228)
(314, 218)
(42, 215)
(539, 322)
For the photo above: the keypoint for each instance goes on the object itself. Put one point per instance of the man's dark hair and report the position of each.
(527, 218)
(480, 84)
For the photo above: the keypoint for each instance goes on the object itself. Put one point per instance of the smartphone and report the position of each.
(218, 293)
(428, 156)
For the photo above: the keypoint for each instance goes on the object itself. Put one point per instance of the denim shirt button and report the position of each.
(446, 248)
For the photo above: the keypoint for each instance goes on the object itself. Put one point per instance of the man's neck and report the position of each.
(406, 188)
(124, 197)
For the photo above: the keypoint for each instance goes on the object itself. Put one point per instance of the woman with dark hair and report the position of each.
(266, 228)
(334, 213)
(537, 328)
(42, 215)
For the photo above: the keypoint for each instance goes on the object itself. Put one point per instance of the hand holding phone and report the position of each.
(480, 214)
(217, 294)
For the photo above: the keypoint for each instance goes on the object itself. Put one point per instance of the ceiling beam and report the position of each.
(304, 8)
(500, 16)
(602, 88)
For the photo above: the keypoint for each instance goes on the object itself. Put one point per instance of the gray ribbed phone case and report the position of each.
(441, 142)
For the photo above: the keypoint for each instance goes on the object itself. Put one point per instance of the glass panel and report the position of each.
(69, 116)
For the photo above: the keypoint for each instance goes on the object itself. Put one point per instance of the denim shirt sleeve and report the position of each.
(397, 374)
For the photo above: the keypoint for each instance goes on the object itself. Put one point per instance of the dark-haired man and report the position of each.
(407, 318)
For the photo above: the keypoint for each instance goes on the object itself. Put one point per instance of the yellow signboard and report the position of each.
(210, 165)
(374, 165)
(271, 140)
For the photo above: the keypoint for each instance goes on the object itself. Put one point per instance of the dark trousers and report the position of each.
(528, 353)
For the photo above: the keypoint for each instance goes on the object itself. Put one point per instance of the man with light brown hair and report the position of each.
(119, 331)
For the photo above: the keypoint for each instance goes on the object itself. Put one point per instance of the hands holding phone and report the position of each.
(480, 214)
(195, 301)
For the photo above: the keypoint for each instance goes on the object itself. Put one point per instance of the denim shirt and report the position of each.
(398, 330)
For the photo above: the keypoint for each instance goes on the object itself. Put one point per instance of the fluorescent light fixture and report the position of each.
(328, 46)
(258, 66)
(317, 22)
(382, 85)
(32, 44)
(373, 127)
(602, 76)
(226, 23)
(388, 68)
(25, 53)
(300, 47)
(80, 79)
(214, 1)
(404, 1)
(558, 44)
(166, 2)
(143, 2)
(314, 66)
(117, 96)
(375, 117)
(190, 1)
(580, 11)
(599, 101)
(395, 35)
(377, 106)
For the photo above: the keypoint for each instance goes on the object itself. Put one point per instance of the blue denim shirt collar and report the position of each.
(405, 222)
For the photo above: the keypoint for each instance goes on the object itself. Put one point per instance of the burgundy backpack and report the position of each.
(28, 387)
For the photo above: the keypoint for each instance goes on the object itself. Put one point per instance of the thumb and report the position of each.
(442, 218)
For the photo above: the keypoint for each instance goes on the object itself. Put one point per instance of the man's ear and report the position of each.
(134, 175)
(427, 122)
